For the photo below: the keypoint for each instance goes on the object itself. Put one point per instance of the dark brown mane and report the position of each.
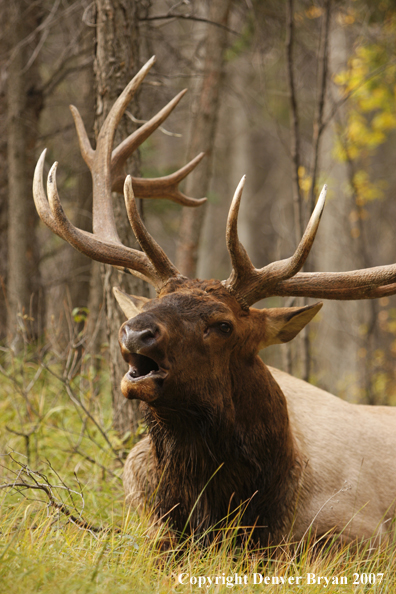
(223, 466)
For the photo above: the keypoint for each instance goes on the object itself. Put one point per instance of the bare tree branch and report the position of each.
(294, 127)
(28, 479)
(337, 104)
(59, 74)
(78, 403)
(203, 136)
(49, 21)
(318, 127)
(92, 461)
(188, 17)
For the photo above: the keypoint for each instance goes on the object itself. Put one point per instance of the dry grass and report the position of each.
(63, 525)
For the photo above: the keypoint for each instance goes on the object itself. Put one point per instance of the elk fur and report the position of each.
(294, 457)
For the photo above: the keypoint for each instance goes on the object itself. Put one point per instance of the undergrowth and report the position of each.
(63, 524)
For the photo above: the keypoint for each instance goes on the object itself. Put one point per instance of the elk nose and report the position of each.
(134, 340)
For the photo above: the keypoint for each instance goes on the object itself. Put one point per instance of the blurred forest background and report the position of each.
(293, 94)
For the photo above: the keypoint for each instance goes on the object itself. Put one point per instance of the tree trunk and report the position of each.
(3, 183)
(203, 136)
(24, 104)
(86, 290)
(81, 264)
(116, 60)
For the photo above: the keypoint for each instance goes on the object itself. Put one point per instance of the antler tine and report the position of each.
(290, 266)
(242, 267)
(40, 199)
(283, 279)
(160, 261)
(250, 284)
(117, 111)
(163, 187)
(103, 218)
(103, 251)
(86, 149)
(103, 244)
(383, 291)
(134, 140)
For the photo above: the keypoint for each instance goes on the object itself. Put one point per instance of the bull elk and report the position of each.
(228, 436)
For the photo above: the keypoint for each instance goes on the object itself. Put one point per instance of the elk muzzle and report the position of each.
(143, 346)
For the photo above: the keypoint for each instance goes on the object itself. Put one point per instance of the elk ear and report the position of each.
(130, 304)
(284, 323)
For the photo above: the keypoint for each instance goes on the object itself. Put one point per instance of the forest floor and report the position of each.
(63, 524)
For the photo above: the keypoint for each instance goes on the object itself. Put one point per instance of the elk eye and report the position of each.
(225, 327)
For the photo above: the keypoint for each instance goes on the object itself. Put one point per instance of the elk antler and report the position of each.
(106, 166)
(283, 278)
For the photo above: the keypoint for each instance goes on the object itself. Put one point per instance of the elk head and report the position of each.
(157, 341)
(196, 336)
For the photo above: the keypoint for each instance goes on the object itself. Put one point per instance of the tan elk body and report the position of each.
(344, 477)
(349, 480)
(351, 466)
(229, 439)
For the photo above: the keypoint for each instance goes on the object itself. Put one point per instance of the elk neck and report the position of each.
(231, 450)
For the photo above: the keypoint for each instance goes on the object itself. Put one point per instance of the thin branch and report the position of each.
(22, 391)
(60, 74)
(188, 17)
(21, 484)
(294, 128)
(78, 403)
(26, 437)
(337, 104)
(318, 127)
(36, 51)
(160, 128)
(75, 450)
(51, 19)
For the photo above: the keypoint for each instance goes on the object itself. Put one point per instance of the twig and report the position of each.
(41, 483)
(22, 391)
(318, 127)
(188, 17)
(161, 128)
(26, 436)
(89, 459)
(77, 402)
(337, 104)
(294, 128)
(59, 76)
(59, 506)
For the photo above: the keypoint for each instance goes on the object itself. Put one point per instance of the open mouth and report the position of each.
(141, 366)
(144, 379)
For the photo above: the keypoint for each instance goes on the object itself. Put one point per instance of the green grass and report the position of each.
(56, 436)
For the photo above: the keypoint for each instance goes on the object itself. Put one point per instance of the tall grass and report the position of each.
(63, 524)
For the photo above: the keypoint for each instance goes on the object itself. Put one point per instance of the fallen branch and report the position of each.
(28, 479)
